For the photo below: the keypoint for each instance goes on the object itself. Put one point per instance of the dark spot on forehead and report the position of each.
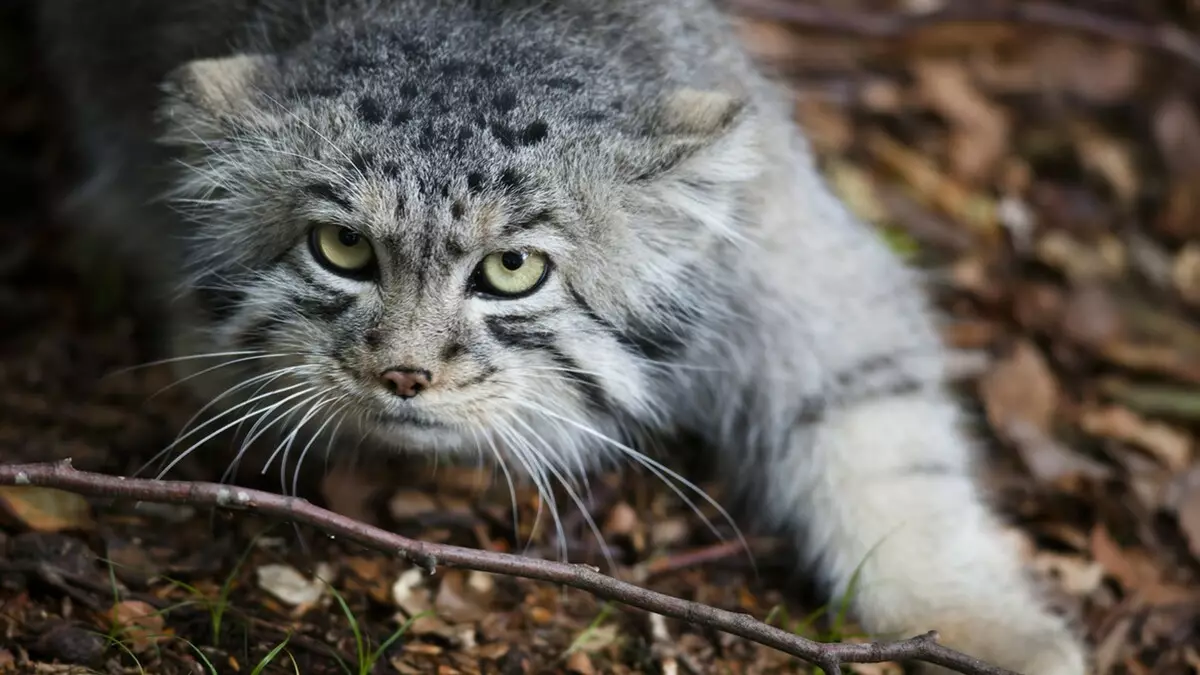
(401, 116)
(391, 170)
(408, 90)
(474, 181)
(504, 134)
(362, 161)
(505, 101)
(510, 179)
(445, 190)
(457, 209)
(369, 110)
(534, 133)
(486, 71)
(438, 99)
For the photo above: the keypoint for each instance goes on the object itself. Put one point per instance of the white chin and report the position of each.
(401, 437)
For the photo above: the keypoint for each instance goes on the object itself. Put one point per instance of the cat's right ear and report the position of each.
(205, 95)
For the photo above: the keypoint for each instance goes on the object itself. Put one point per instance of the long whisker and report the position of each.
(519, 446)
(656, 467)
(184, 433)
(583, 509)
(177, 359)
(231, 424)
(226, 364)
(512, 492)
(309, 444)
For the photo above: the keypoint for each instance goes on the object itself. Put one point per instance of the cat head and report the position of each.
(455, 255)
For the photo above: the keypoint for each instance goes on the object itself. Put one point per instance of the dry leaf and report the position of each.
(455, 602)
(1171, 446)
(1107, 156)
(579, 664)
(980, 133)
(1103, 259)
(46, 509)
(1135, 570)
(139, 624)
(1020, 388)
(291, 587)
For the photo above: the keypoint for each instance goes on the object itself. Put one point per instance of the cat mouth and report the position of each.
(411, 418)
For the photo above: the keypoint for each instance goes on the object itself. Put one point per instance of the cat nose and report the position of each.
(406, 382)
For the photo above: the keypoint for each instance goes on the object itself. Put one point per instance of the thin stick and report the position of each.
(427, 556)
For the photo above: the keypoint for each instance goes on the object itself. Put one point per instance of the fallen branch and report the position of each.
(829, 656)
(1165, 38)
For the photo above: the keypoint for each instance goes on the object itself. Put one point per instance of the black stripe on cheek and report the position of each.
(327, 192)
(585, 382)
(328, 309)
(517, 332)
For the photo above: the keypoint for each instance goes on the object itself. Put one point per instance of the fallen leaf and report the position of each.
(455, 603)
(1020, 388)
(46, 509)
(139, 624)
(1107, 156)
(980, 129)
(413, 597)
(1136, 571)
(1171, 446)
(291, 587)
(579, 664)
(1103, 259)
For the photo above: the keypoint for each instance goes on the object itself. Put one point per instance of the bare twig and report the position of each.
(1165, 38)
(829, 656)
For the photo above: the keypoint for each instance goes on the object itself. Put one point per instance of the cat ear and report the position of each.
(202, 95)
(701, 114)
(688, 125)
(707, 147)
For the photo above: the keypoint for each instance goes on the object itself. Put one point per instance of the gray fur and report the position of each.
(703, 276)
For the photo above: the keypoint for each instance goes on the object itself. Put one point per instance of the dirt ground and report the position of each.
(1041, 160)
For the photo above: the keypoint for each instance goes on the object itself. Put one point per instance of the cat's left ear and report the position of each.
(698, 130)
(203, 95)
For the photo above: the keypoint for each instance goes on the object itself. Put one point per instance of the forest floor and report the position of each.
(1040, 159)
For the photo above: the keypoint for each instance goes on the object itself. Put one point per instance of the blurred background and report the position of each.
(1041, 160)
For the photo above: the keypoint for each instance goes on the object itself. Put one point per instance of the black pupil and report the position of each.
(347, 238)
(512, 260)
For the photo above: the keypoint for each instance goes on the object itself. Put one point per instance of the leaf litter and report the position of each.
(1047, 180)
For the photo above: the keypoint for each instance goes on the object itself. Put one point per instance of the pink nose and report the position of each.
(406, 382)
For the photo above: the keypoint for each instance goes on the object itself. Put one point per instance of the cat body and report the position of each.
(541, 231)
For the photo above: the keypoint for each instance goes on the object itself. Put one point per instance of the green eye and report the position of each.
(342, 250)
(512, 273)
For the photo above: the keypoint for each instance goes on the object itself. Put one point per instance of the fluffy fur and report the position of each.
(703, 278)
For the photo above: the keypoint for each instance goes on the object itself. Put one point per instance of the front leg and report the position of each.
(882, 479)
